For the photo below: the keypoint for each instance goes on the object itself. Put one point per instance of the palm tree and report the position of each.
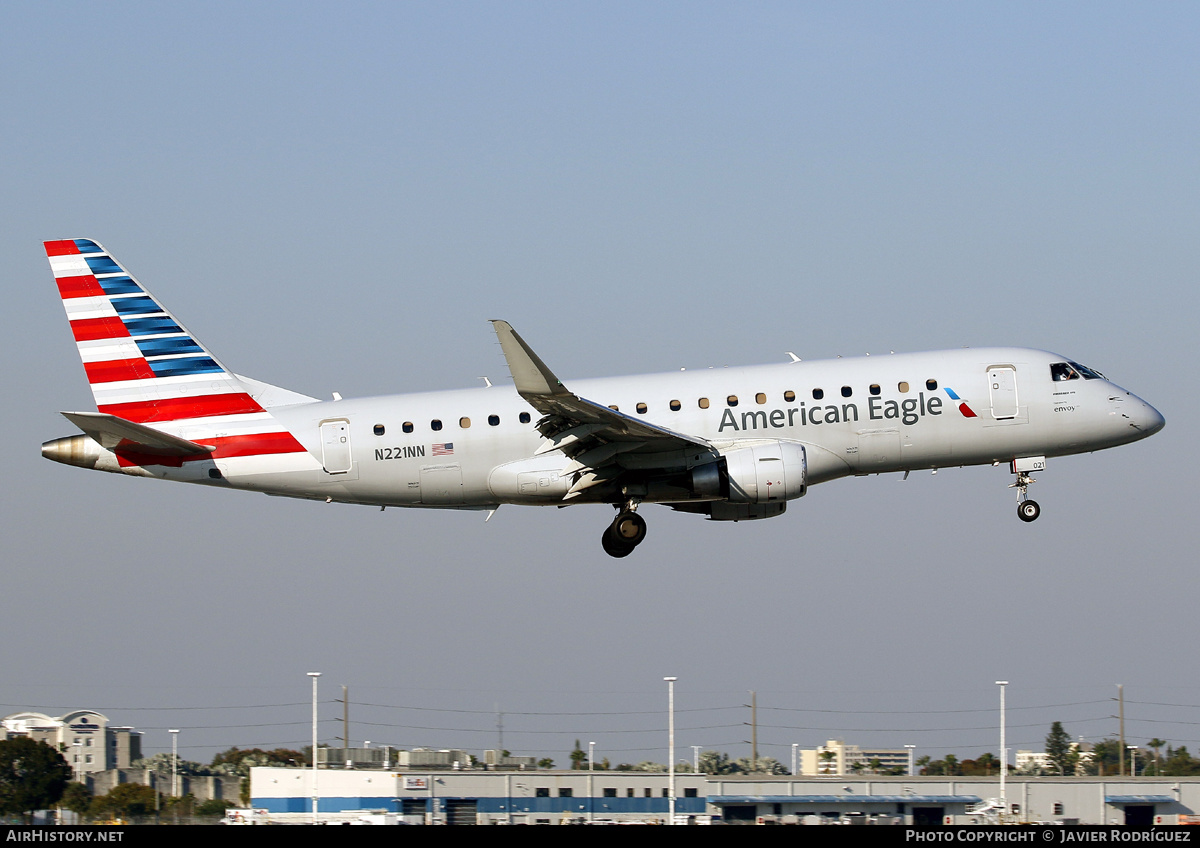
(1156, 744)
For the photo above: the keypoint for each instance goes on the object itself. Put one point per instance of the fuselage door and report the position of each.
(1002, 384)
(335, 446)
(441, 484)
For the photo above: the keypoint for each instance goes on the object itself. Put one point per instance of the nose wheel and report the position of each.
(1028, 510)
(625, 533)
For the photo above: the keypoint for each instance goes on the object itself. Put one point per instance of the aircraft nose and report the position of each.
(1149, 419)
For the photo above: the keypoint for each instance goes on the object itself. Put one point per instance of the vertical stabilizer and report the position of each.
(145, 367)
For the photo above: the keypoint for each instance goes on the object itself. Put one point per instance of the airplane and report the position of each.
(732, 444)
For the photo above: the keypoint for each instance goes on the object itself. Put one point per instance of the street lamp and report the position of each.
(1003, 750)
(174, 763)
(671, 746)
(591, 781)
(315, 793)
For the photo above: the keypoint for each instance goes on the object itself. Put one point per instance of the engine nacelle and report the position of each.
(764, 473)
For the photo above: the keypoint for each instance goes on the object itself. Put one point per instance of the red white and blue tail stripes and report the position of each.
(145, 367)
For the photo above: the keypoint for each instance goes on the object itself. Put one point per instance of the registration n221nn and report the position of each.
(731, 444)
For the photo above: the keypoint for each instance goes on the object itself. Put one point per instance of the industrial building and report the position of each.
(564, 797)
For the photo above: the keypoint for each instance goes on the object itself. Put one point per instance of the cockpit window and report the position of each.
(1060, 372)
(1088, 373)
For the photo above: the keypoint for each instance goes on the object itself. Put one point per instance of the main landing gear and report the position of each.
(625, 533)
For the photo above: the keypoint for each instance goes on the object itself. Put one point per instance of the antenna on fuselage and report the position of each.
(487, 384)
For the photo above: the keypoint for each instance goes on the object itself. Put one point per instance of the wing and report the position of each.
(607, 448)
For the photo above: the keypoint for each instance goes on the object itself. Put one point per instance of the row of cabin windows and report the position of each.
(464, 423)
(675, 405)
(788, 396)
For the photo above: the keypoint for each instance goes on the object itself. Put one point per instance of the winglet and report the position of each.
(528, 371)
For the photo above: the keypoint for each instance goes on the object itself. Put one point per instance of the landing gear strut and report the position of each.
(625, 533)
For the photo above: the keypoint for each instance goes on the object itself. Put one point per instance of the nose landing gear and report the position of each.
(1027, 510)
(625, 533)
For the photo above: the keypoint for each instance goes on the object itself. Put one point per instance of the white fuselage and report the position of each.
(873, 415)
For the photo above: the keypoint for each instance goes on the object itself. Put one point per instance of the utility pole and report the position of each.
(1121, 714)
(753, 731)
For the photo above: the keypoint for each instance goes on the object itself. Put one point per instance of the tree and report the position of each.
(578, 757)
(1058, 749)
(33, 776)
(764, 765)
(240, 760)
(716, 762)
(1155, 745)
(125, 801)
(77, 798)
(1106, 757)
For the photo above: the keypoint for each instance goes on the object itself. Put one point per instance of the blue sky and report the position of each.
(337, 199)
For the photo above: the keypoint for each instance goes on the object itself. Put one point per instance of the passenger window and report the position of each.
(407, 426)
(379, 431)
(760, 398)
(464, 422)
(875, 388)
(676, 406)
(641, 408)
(493, 420)
(704, 403)
(731, 400)
(902, 387)
(523, 417)
(847, 391)
(789, 396)
(931, 385)
(818, 394)
(435, 424)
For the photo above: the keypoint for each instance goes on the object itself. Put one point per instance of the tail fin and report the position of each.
(146, 368)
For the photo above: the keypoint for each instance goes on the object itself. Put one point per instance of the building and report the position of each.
(84, 737)
(836, 757)
(562, 797)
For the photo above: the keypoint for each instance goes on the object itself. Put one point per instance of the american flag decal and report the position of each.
(444, 449)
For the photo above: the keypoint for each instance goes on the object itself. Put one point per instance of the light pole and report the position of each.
(174, 763)
(671, 747)
(591, 781)
(315, 793)
(912, 765)
(1003, 750)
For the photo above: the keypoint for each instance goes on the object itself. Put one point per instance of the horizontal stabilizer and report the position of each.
(112, 432)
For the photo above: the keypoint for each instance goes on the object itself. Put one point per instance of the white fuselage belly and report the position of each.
(862, 433)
